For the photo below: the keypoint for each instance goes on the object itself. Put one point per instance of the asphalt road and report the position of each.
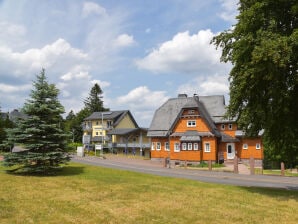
(149, 167)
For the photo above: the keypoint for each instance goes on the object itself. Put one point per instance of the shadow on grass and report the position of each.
(68, 170)
(280, 194)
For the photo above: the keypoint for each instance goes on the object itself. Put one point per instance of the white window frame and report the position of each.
(191, 123)
(158, 146)
(177, 147)
(258, 145)
(153, 146)
(167, 146)
(196, 146)
(223, 126)
(230, 126)
(207, 147)
(189, 146)
(245, 146)
(184, 146)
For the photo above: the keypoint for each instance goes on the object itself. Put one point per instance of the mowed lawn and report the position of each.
(88, 194)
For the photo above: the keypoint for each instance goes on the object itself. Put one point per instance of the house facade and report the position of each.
(116, 131)
(194, 129)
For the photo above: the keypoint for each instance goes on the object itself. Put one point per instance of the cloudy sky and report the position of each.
(140, 52)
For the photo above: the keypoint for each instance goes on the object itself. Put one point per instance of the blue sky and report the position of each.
(140, 52)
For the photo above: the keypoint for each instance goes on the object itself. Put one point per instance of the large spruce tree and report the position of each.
(263, 49)
(40, 134)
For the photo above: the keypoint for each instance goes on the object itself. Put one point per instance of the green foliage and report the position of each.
(4, 125)
(94, 103)
(41, 133)
(263, 49)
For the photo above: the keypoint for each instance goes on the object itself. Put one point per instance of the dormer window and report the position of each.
(191, 123)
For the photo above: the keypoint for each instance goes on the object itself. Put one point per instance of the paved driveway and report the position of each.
(156, 168)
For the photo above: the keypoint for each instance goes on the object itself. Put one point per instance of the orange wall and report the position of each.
(181, 125)
(188, 155)
(251, 151)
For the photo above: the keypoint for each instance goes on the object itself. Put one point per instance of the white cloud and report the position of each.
(80, 75)
(12, 35)
(59, 56)
(185, 53)
(142, 97)
(93, 8)
(142, 101)
(5, 88)
(124, 40)
(209, 85)
(229, 12)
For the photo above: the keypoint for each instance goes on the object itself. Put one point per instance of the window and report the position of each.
(207, 147)
(191, 111)
(245, 146)
(258, 146)
(191, 123)
(184, 146)
(158, 146)
(152, 146)
(195, 146)
(223, 127)
(189, 146)
(230, 126)
(96, 133)
(96, 122)
(167, 146)
(176, 147)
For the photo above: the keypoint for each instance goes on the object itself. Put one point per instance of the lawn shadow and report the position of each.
(280, 194)
(68, 170)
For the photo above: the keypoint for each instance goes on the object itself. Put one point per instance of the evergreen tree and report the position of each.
(41, 133)
(94, 101)
(263, 49)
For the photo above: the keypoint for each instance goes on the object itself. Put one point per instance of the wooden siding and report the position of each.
(126, 122)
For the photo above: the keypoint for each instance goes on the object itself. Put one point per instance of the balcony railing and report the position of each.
(130, 145)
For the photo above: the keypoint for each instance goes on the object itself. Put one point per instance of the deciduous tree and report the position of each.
(263, 49)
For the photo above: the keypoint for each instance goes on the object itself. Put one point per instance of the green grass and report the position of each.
(288, 172)
(88, 194)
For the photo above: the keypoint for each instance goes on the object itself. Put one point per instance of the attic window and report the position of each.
(191, 111)
(191, 123)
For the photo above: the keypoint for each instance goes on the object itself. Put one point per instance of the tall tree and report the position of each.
(41, 133)
(263, 49)
(94, 102)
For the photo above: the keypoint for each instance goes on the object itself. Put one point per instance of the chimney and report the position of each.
(196, 97)
(182, 95)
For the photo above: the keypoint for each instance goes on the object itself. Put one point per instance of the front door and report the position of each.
(230, 150)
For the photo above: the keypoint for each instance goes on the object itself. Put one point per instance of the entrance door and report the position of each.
(230, 150)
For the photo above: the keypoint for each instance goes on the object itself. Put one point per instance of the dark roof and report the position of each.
(228, 138)
(116, 116)
(125, 131)
(212, 109)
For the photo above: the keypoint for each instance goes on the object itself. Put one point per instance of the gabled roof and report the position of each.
(212, 109)
(116, 116)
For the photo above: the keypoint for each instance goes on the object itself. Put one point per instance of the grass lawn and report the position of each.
(88, 194)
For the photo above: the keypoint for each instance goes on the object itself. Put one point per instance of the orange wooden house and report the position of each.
(194, 129)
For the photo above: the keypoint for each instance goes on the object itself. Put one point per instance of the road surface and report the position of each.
(150, 167)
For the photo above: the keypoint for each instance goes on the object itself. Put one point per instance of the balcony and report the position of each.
(129, 145)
